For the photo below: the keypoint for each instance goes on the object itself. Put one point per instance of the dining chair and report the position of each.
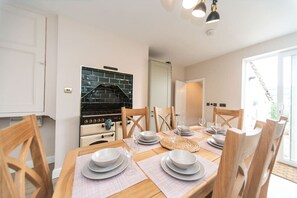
(14, 171)
(138, 117)
(164, 117)
(265, 157)
(227, 116)
(236, 158)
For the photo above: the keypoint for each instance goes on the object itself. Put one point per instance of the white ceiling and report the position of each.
(172, 33)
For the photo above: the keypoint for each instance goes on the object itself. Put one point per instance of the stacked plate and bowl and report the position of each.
(217, 141)
(105, 163)
(148, 138)
(182, 165)
(183, 131)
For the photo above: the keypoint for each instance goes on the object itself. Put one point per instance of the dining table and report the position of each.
(149, 181)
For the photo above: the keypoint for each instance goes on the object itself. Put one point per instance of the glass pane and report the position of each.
(261, 90)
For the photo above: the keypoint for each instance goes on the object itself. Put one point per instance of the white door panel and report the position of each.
(22, 61)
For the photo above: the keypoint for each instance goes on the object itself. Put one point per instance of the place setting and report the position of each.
(148, 138)
(217, 141)
(105, 163)
(182, 165)
(216, 128)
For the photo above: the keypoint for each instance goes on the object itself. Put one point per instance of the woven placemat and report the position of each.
(177, 142)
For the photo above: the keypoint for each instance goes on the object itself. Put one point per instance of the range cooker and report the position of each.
(103, 93)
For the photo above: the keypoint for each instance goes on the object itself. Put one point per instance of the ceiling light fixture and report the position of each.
(188, 4)
(214, 15)
(200, 9)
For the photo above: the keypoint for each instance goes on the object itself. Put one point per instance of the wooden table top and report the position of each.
(146, 188)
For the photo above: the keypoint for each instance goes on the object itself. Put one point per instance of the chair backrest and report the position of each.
(264, 159)
(235, 161)
(25, 134)
(135, 116)
(226, 116)
(164, 117)
(259, 124)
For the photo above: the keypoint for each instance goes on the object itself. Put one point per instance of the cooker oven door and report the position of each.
(97, 139)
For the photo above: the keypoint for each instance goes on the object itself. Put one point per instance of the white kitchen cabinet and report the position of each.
(22, 61)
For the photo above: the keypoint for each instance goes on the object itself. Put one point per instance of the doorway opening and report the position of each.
(269, 91)
(189, 100)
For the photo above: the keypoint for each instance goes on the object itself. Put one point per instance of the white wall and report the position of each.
(223, 82)
(82, 44)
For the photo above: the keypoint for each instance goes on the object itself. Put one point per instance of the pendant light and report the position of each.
(188, 4)
(200, 9)
(214, 15)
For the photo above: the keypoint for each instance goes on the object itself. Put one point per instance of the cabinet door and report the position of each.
(159, 87)
(22, 61)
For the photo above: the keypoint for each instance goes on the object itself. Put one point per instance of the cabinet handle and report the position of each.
(109, 135)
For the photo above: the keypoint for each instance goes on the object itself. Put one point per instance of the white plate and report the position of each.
(86, 172)
(98, 169)
(193, 177)
(150, 143)
(213, 144)
(190, 171)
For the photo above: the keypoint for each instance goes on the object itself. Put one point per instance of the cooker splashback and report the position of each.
(105, 92)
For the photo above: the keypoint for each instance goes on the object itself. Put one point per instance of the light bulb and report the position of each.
(188, 4)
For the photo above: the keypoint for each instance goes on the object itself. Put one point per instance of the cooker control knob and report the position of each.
(86, 121)
(90, 121)
(102, 120)
(98, 120)
(94, 121)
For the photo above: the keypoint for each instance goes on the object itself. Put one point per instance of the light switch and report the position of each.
(67, 90)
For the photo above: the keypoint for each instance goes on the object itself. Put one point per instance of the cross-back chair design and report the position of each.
(265, 156)
(235, 161)
(164, 117)
(135, 116)
(27, 135)
(226, 116)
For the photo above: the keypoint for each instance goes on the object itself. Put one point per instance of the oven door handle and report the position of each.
(108, 135)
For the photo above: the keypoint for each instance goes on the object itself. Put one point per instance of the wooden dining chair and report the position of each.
(235, 161)
(226, 116)
(26, 136)
(137, 117)
(164, 117)
(265, 157)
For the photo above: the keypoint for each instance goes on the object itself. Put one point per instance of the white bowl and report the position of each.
(182, 159)
(105, 157)
(148, 135)
(219, 138)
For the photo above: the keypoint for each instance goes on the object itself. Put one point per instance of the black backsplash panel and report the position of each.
(120, 82)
